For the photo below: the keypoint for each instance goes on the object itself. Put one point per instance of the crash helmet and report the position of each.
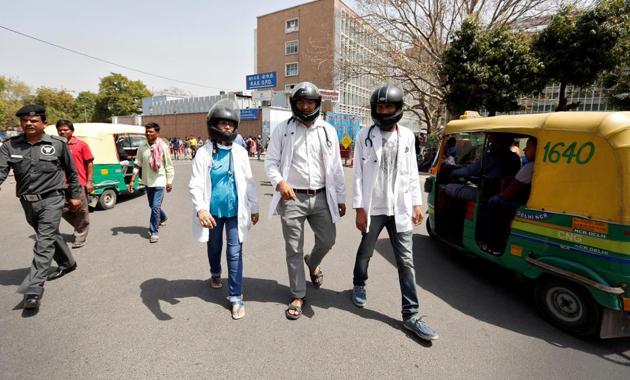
(387, 94)
(223, 110)
(305, 90)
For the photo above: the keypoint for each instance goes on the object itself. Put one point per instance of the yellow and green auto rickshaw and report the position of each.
(114, 148)
(572, 235)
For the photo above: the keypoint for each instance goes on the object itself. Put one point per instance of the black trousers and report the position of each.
(44, 216)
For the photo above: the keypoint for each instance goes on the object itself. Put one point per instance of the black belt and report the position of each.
(39, 197)
(309, 191)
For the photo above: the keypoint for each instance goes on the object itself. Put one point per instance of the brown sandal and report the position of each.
(317, 278)
(295, 308)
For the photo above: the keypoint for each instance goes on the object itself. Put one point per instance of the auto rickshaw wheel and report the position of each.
(107, 200)
(568, 306)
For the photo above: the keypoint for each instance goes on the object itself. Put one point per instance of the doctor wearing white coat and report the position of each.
(386, 194)
(304, 166)
(223, 194)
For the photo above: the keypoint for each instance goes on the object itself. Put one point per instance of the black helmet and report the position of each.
(305, 90)
(224, 109)
(387, 94)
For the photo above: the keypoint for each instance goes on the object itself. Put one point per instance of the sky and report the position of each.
(210, 43)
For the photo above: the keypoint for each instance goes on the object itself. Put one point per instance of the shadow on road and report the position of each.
(130, 230)
(13, 276)
(259, 290)
(491, 294)
(122, 198)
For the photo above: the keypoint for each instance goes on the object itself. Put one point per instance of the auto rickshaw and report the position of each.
(572, 235)
(114, 148)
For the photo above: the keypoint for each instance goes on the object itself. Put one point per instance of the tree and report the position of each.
(617, 80)
(576, 47)
(13, 95)
(84, 107)
(415, 34)
(58, 103)
(118, 95)
(488, 68)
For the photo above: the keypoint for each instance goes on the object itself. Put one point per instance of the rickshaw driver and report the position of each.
(498, 162)
(502, 207)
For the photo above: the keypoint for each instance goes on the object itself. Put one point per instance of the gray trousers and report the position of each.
(79, 219)
(293, 213)
(44, 216)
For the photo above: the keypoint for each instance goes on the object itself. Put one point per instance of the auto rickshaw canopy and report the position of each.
(100, 138)
(582, 164)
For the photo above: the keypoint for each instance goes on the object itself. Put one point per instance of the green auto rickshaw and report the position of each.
(571, 237)
(114, 148)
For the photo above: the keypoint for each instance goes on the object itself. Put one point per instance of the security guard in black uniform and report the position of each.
(39, 162)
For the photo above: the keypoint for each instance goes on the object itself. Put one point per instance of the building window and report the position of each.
(291, 47)
(291, 69)
(291, 25)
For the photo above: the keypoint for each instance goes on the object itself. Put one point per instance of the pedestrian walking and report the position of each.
(83, 159)
(304, 166)
(157, 175)
(386, 194)
(41, 164)
(224, 198)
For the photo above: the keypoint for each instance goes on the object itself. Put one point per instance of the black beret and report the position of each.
(31, 110)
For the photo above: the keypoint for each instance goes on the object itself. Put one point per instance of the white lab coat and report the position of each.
(367, 161)
(280, 155)
(200, 188)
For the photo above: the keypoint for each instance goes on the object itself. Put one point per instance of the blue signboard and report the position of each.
(344, 123)
(249, 114)
(261, 80)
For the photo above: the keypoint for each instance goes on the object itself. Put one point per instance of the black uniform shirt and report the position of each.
(39, 168)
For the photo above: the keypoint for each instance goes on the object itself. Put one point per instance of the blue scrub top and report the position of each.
(223, 201)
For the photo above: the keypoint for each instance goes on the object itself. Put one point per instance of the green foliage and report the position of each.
(118, 95)
(84, 107)
(576, 47)
(58, 103)
(13, 95)
(617, 80)
(489, 68)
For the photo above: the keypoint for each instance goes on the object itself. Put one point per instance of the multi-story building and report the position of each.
(592, 98)
(307, 43)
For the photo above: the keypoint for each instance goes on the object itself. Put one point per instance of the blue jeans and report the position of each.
(234, 255)
(155, 196)
(402, 245)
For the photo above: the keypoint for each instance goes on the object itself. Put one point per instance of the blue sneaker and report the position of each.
(416, 325)
(359, 296)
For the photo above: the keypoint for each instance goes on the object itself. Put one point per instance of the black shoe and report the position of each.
(32, 301)
(60, 272)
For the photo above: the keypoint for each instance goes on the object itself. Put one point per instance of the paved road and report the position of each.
(140, 310)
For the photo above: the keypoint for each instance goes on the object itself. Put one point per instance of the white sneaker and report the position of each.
(154, 239)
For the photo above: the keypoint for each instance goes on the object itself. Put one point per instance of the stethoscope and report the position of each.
(328, 142)
(368, 139)
(230, 159)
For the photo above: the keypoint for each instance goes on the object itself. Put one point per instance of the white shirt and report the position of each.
(280, 156)
(524, 175)
(367, 165)
(306, 170)
(383, 192)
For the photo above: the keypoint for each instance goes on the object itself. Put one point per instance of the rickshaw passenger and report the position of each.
(502, 207)
(498, 162)
(451, 151)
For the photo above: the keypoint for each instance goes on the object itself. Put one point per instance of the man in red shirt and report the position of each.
(83, 161)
